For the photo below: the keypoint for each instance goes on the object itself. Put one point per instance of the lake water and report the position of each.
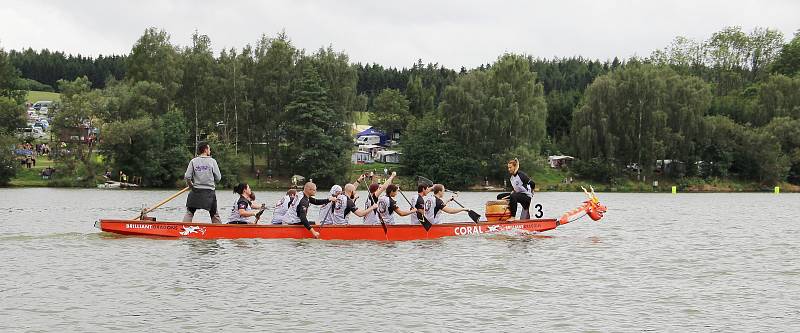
(657, 262)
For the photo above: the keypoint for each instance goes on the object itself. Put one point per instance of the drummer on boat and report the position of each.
(522, 193)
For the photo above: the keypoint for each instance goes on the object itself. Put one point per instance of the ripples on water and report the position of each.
(658, 262)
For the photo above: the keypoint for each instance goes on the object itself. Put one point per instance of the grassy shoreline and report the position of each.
(547, 180)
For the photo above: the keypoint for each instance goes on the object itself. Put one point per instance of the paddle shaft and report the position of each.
(141, 215)
(425, 223)
(322, 223)
(383, 224)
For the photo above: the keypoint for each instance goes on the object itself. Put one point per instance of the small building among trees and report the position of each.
(388, 156)
(559, 161)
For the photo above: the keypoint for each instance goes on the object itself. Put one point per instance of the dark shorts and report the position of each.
(237, 222)
(202, 199)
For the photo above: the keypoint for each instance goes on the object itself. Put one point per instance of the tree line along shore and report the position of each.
(720, 114)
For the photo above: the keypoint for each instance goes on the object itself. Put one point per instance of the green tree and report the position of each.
(390, 112)
(12, 115)
(420, 98)
(430, 151)
(8, 162)
(777, 96)
(560, 105)
(77, 115)
(10, 82)
(153, 58)
(787, 132)
(640, 114)
(497, 111)
(199, 87)
(719, 146)
(764, 47)
(759, 157)
(317, 148)
(788, 61)
(149, 148)
(339, 80)
(125, 100)
(273, 79)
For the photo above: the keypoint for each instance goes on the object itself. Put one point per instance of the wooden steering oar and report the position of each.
(147, 210)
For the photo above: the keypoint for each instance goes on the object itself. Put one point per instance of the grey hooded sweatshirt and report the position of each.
(203, 171)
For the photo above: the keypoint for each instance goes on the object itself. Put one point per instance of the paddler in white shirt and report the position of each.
(372, 198)
(345, 204)
(387, 206)
(434, 205)
(418, 200)
(282, 206)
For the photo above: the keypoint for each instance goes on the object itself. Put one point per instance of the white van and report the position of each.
(368, 140)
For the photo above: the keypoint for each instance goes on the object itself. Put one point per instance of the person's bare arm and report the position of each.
(363, 212)
(404, 212)
(387, 182)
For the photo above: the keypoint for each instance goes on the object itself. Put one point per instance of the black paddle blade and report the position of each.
(502, 196)
(474, 216)
(427, 225)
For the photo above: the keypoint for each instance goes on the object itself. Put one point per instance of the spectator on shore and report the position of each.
(47, 172)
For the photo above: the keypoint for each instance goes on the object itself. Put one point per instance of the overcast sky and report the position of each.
(393, 33)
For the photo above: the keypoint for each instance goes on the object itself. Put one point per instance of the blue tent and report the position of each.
(373, 131)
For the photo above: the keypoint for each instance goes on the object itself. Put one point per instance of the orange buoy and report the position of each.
(497, 210)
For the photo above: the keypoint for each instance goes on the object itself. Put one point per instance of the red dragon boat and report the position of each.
(402, 232)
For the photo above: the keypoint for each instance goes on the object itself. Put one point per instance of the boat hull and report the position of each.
(327, 232)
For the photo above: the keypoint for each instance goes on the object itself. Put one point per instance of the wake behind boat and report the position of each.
(398, 232)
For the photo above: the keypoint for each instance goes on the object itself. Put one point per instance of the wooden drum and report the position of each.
(497, 210)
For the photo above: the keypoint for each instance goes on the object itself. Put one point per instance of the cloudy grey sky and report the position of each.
(393, 33)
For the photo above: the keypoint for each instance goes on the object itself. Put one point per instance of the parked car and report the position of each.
(38, 105)
(43, 123)
(33, 132)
